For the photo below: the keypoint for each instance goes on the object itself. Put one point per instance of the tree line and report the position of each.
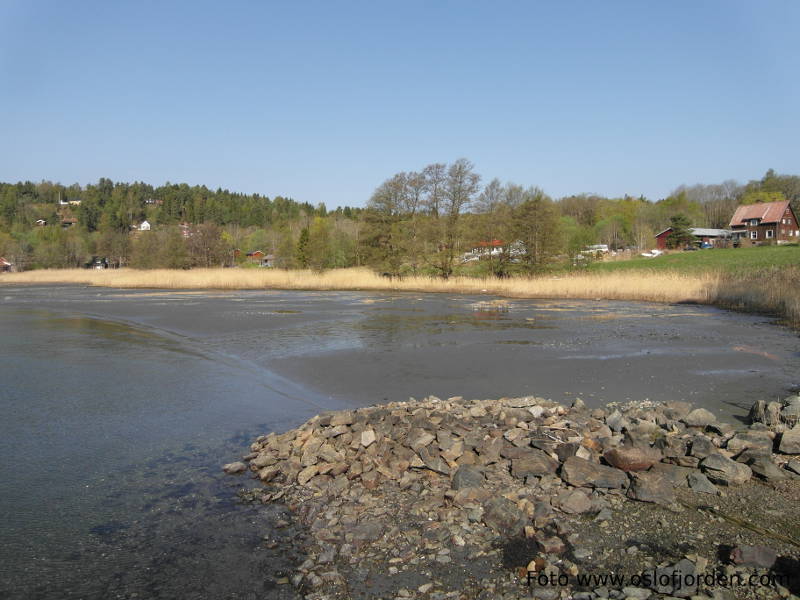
(419, 222)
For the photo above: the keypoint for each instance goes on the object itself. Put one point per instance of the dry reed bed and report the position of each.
(653, 287)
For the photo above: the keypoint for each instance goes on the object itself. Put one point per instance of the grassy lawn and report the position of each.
(728, 260)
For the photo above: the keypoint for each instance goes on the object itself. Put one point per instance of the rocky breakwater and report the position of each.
(524, 497)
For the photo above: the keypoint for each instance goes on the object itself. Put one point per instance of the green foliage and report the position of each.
(301, 250)
(680, 235)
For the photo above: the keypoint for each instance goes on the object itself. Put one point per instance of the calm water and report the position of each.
(118, 408)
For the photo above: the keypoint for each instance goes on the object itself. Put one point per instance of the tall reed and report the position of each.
(654, 287)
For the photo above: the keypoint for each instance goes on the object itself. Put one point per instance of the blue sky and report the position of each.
(321, 101)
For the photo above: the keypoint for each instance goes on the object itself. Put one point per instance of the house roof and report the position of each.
(767, 212)
(701, 232)
(4, 262)
(493, 243)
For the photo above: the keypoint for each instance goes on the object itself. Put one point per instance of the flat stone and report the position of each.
(700, 483)
(306, 474)
(419, 438)
(433, 461)
(503, 516)
(583, 473)
(573, 502)
(467, 476)
(764, 468)
(749, 439)
(701, 446)
(533, 463)
(368, 437)
(678, 580)
(675, 474)
(344, 417)
(754, 556)
(790, 441)
(265, 459)
(724, 471)
(651, 487)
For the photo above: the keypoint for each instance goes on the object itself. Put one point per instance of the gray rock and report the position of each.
(790, 441)
(748, 440)
(700, 483)
(573, 502)
(764, 468)
(234, 467)
(678, 580)
(583, 473)
(724, 471)
(419, 438)
(754, 556)
(533, 462)
(616, 421)
(636, 592)
(675, 474)
(467, 476)
(794, 466)
(503, 516)
(701, 446)
(699, 417)
(651, 487)
(432, 460)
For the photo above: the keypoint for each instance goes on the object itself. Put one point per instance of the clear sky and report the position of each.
(321, 101)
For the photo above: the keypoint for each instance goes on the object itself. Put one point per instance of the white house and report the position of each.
(145, 226)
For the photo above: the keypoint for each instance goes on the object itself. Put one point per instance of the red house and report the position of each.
(765, 223)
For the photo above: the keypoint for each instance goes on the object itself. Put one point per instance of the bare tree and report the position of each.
(460, 188)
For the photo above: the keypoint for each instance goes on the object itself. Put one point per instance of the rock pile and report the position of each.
(437, 493)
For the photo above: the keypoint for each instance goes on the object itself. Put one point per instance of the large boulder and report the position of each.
(583, 473)
(724, 471)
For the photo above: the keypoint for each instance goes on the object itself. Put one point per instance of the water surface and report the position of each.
(119, 406)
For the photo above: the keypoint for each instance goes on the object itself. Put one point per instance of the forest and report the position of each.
(425, 222)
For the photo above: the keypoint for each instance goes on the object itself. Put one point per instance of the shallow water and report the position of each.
(118, 408)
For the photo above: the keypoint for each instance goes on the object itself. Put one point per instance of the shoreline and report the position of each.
(453, 498)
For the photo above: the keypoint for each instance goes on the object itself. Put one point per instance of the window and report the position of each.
(770, 233)
(797, 232)
(753, 222)
(753, 235)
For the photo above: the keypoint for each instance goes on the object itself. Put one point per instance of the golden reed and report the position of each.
(653, 287)
(774, 291)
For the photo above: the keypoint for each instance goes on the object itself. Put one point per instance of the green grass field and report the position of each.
(728, 260)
